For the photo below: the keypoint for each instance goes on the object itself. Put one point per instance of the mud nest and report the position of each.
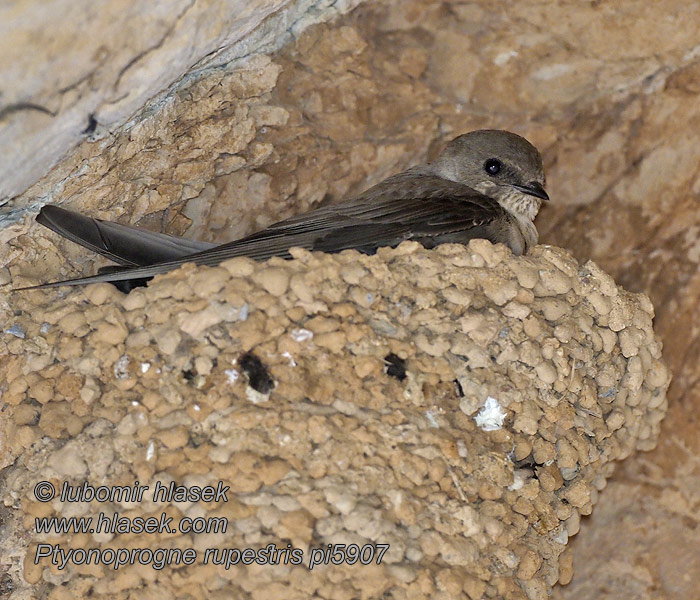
(462, 405)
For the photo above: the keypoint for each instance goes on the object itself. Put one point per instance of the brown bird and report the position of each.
(485, 184)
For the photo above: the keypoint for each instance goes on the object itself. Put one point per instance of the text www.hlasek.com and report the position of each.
(121, 525)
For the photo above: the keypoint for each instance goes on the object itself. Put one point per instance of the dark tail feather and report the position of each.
(125, 245)
(125, 285)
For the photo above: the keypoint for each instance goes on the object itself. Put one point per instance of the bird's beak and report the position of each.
(534, 188)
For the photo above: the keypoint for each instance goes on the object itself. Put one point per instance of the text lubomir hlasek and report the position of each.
(134, 493)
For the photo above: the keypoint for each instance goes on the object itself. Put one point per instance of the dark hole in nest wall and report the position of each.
(395, 366)
(258, 376)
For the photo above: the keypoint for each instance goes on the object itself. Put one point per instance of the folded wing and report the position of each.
(408, 206)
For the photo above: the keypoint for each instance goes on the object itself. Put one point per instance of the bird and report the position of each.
(487, 184)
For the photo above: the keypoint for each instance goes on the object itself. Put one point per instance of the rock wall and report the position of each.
(461, 406)
(607, 91)
(73, 70)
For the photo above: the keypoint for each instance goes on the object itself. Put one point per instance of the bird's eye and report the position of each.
(492, 166)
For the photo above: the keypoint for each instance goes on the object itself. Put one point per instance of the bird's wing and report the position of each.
(125, 245)
(407, 206)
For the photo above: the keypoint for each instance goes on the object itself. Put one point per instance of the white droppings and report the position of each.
(16, 330)
(255, 396)
(121, 367)
(232, 375)
(134, 403)
(150, 450)
(551, 71)
(196, 407)
(503, 57)
(562, 537)
(243, 312)
(491, 415)
(301, 335)
(462, 449)
(145, 366)
(520, 476)
(430, 415)
(292, 362)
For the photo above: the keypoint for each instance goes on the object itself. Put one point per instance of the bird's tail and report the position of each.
(124, 245)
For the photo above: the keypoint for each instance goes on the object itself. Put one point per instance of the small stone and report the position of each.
(99, 293)
(567, 457)
(543, 452)
(301, 288)
(69, 462)
(194, 324)
(522, 450)
(535, 589)
(72, 322)
(335, 341)
(499, 291)
(322, 325)
(578, 494)
(598, 278)
(134, 300)
(435, 347)
(566, 567)
(203, 365)
(488, 251)
(634, 375)
(353, 273)
(620, 315)
(609, 338)
(532, 327)
(25, 414)
(550, 478)
(174, 438)
(657, 375)
(630, 339)
(208, 281)
(168, 341)
(546, 372)
(526, 274)
(516, 310)
(109, 333)
(615, 419)
(274, 281)
(529, 564)
(564, 332)
(456, 296)
(552, 282)
(600, 303)
(553, 309)
(240, 266)
(42, 390)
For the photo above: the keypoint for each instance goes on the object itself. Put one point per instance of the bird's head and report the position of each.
(499, 164)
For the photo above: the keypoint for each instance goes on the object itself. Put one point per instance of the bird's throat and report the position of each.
(522, 206)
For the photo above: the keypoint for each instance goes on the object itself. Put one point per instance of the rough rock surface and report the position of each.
(71, 70)
(341, 397)
(608, 91)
